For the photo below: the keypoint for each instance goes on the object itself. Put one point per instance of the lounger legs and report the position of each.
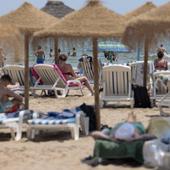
(75, 132)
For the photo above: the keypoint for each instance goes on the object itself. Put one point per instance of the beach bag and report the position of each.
(141, 97)
(89, 112)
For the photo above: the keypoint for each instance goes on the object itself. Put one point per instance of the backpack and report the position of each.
(141, 97)
(89, 112)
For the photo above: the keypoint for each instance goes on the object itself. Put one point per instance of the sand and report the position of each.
(58, 151)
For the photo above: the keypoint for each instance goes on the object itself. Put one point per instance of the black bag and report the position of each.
(141, 97)
(89, 111)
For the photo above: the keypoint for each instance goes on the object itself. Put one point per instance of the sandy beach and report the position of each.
(58, 151)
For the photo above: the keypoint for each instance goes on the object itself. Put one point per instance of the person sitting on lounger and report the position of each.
(7, 105)
(160, 63)
(127, 131)
(69, 74)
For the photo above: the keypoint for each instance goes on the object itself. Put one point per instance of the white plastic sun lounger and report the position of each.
(53, 79)
(116, 84)
(15, 124)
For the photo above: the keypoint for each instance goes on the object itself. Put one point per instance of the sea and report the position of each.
(84, 46)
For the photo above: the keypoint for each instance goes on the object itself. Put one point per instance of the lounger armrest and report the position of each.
(73, 81)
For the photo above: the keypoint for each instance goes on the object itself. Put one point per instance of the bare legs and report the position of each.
(86, 83)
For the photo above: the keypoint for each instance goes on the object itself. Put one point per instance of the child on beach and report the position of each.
(7, 105)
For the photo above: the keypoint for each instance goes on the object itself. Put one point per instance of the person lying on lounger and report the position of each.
(8, 105)
(127, 131)
(69, 74)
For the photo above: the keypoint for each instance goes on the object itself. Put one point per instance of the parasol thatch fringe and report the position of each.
(10, 38)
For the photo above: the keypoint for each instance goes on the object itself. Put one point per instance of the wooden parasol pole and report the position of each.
(146, 53)
(56, 59)
(96, 82)
(26, 62)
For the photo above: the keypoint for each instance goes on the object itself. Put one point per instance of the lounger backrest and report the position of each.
(49, 74)
(161, 82)
(137, 69)
(117, 80)
(88, 69)
(16, 72)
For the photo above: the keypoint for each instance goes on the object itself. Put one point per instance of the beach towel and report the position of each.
(119, 150)
(52, 118)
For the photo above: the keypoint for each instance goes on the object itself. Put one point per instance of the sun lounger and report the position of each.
(86, 64)
(15, 122)
(17, 72)
(116, 84)
(53, 79)
(56, 122)
(161, 88)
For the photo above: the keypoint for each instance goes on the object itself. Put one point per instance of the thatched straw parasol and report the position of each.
(147, 26)
(57, 8)
(141, 10)
(94, 20)
(28, 19)
(10, 36)
(137, 12)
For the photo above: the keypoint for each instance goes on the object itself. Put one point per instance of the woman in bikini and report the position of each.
(160, 63)
(69, 74)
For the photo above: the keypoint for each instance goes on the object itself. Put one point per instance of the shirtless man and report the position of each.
(7, 105)
(39, 53)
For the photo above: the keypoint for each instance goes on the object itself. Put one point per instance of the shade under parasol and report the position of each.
(94, 20)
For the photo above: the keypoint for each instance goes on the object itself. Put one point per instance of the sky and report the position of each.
(119, 6)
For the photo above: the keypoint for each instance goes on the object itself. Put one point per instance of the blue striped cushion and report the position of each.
(2, 117)
(51, 121)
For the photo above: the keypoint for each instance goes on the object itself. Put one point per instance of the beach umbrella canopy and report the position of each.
(140, 10)
(94, 20)
(10, 37)
(57, 8)
(146, 27)
(28, 19)
(9, 32)
(137, 12)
